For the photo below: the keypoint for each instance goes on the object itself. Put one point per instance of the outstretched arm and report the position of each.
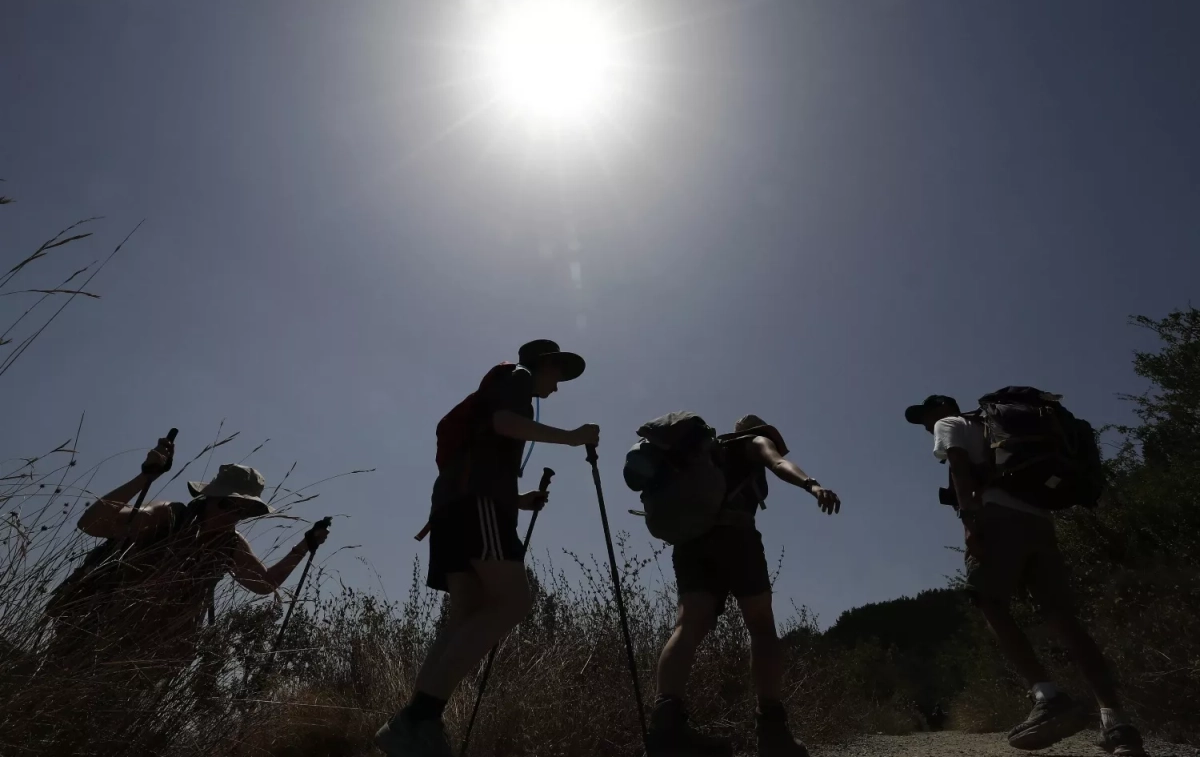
(516, 426)
(763, 450)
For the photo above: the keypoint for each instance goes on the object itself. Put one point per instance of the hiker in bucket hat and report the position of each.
(475, 553)
(155, 574)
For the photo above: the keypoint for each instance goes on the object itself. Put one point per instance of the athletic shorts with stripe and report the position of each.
(469, 529)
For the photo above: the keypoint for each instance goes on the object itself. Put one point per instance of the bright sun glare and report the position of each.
(553, 60)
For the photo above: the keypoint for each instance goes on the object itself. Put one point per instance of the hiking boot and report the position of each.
(404, 737)
(670, 735)
(1122, 740)
(1049, 722)
(775, 738)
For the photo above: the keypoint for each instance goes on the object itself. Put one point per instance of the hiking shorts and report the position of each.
(1009, 551)
(468, 529)
(727, 560)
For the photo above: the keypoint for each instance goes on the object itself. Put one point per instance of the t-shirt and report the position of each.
(958, 432)
(494, 461)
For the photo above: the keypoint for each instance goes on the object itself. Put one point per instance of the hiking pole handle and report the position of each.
(543, 485)
(592, 457)
(141, 497)
(322, 525)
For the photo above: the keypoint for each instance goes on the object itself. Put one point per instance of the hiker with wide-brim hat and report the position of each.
(475, 552)
(152, 578)
(730, 560)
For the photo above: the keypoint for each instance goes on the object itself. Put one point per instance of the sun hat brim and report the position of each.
(251, 504)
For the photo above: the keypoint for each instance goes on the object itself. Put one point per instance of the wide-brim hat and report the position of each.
(541, 351)
(236, 482)
(752, 425)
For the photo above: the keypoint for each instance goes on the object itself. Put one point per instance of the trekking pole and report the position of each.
(544, 485)
(592, 458)
(322, 525)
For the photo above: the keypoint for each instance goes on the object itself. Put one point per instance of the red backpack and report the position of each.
(459, 427)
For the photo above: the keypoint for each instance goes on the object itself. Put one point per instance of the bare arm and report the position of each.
(963, 475)
(251, 573)
(109, 517)
(516, 426)
(763, 450)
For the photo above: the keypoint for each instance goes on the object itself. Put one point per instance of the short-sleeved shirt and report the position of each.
(494, 461)
(958, 432)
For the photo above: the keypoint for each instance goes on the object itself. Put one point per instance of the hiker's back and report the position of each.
(158, 584)
(471, 456)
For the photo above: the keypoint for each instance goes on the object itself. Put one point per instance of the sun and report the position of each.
(553, 62)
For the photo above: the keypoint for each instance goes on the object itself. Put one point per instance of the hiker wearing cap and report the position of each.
(475, 553)
(154, 576)
(1011, 547)
(729, 559)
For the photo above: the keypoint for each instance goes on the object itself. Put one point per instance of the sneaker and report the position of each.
(403, 737)
(775, 738)
(670, 735)
(1048, 723)
(1122, 740)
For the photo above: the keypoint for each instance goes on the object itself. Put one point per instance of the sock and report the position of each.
(1110, 718)
(772, 709)
(425, 707)
(1044, 691)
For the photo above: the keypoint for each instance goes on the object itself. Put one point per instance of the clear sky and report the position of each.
(818, 212)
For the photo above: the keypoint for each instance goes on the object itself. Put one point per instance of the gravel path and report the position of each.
(948, 743)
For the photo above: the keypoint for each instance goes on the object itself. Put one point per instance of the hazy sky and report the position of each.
(818, 212)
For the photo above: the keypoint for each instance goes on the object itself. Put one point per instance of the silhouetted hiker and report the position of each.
(1011, 546)
(474, 551)
(729, 559)
(151, 582)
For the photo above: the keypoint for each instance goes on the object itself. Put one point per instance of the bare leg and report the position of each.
(697, 616)
(505, 603)
(1087, 656)
(766, 650)
(466, 599)
(1014, 644)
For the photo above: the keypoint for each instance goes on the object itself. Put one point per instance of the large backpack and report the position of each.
(459, 428)
(111, 562)
(676, 468)
(1040, 452)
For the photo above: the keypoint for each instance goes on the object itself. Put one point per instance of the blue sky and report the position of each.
(818, 212)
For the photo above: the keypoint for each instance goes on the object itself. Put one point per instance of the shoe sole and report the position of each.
(1049, 733)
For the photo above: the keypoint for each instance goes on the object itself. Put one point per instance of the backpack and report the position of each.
(672, 467)
(1040, 452)
(104, 566)
(462, 425)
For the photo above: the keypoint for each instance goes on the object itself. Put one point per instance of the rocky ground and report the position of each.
(947, 743)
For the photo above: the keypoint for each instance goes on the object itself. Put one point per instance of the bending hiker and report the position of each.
(1013, 462)
(154, 577)
(474, 551)
(715, 559)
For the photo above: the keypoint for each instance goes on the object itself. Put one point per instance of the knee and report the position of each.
(691, 631)
(516, 604)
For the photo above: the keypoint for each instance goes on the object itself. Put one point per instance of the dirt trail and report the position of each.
(955, 743)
